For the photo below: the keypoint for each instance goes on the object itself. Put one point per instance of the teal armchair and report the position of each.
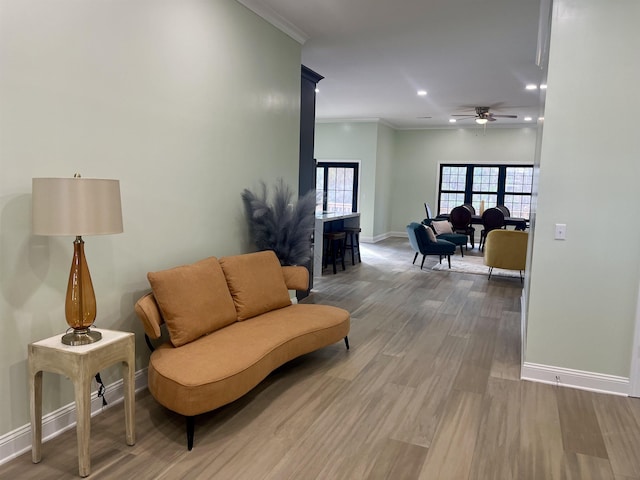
(422, 244)
(455, 238)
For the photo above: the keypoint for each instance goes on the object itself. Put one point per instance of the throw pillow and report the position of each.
(442, 226)
(194, 300)
(256, 283)
(430, 234)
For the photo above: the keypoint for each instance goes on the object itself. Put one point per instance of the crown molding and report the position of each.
(276, 20)
(349, 120)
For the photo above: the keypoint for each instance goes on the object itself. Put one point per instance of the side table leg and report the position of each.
(83, 428)
(129, 399)
(35, 398)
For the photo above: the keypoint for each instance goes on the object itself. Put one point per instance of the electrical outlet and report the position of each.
(561, 231)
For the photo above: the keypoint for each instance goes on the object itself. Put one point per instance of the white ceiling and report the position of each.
(376, 54)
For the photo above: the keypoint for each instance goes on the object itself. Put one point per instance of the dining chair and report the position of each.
(504, 210)
(427, 209)
(492, 219)
(460, 218)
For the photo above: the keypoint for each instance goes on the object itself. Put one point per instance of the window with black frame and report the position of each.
(337, 187)
(486, 186)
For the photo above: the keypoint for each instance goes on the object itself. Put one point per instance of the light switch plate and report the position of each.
(561, 231)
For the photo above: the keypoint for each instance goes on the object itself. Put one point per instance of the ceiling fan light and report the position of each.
(481, 121)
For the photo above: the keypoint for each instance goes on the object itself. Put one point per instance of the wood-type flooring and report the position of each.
(429, 390)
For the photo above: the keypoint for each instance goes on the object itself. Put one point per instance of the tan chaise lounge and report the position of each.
(230, 323)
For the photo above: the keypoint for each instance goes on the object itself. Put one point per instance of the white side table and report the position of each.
(80, 364)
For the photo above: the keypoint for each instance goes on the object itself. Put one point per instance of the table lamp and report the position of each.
(76, 207)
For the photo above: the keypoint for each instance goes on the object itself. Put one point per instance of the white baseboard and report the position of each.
(383, 236)
(17, 442)
(567, 377)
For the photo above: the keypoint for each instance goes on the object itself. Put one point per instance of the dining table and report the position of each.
(517, 222)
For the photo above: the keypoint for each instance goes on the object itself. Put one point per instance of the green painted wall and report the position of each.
(400, 167)
(353, 141)
(418, 154)
(583, 290)
(185, 102)
(384, 176)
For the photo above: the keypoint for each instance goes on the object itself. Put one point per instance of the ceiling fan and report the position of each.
(483, 115)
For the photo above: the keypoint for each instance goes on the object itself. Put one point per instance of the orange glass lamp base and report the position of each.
(80, 304)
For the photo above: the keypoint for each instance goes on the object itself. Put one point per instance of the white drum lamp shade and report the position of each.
(76, 207)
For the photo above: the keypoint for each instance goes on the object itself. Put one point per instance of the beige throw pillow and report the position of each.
(430, 234)
(256, 283)
(442, 226)
(194, 300)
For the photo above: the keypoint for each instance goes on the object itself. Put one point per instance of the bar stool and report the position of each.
(352, 242)
(334, 248)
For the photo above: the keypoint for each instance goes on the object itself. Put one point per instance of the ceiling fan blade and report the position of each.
(464, 115)
(490, 106)
(505, 116)
(424, 117)
(491, 119)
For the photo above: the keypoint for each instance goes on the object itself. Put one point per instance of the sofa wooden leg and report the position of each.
(449, 260)
(490, 270)
(414, 258)
(191, 425)
(346, 342)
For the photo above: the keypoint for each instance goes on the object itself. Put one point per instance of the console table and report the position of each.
(80, 364)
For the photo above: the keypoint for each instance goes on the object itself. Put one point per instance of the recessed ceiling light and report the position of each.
(422, 93)
(543, 86)
(527, 119)
(317, 90)
(531, 86)
(452, 120)
(541, 119)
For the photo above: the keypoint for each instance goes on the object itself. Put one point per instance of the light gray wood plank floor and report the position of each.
(429, 390)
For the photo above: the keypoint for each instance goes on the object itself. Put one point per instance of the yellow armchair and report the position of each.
(506, 249)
